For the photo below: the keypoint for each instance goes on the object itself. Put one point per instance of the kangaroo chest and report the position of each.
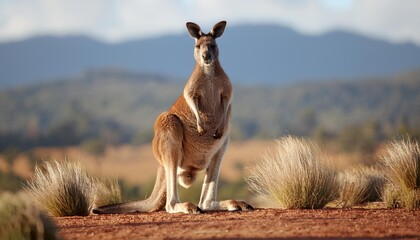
(209, 97)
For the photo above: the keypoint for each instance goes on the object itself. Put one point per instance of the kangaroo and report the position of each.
(192, 136)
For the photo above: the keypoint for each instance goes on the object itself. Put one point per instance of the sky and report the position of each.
(122, 20)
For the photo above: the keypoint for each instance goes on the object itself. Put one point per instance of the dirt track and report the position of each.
(261, 223)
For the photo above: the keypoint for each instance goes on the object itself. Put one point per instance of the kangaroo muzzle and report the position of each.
(207, 57)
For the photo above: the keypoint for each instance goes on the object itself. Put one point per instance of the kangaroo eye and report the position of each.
(212, 46)
(197, 46)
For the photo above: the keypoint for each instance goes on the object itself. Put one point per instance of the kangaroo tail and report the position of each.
(155, 202)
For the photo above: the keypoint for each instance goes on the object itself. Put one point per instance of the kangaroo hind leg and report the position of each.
(208, 199)
(168, 150)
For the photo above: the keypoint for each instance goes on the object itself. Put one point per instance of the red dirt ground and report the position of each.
(261, 223)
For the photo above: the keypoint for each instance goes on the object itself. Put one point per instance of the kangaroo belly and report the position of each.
(197, 154)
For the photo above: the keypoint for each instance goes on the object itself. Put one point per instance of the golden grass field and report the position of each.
(136, 164)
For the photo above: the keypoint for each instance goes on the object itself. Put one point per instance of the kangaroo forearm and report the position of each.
(192, 102)
(226, 111)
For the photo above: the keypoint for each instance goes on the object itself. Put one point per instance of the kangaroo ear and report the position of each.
(218, 29)
(194, 30)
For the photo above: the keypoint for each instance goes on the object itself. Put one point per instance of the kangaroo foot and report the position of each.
(185, 207)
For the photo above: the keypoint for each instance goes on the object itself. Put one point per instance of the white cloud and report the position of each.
(22, 18)
(117, 20)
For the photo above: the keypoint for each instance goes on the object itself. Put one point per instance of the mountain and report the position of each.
(119, 107)
(250, 54)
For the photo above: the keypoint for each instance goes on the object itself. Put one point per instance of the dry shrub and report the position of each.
(107, 192)
(359, 185)
(402, 167)
(64, 189)
(294, 175)
(396, 197)
(391, 196)
(20, 219)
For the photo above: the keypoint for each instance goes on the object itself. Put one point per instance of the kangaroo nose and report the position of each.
(206, 56)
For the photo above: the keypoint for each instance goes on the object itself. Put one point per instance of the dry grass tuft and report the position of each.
(397, 197)
(295, 175)
(20, 219)
(402, 167)
(107, 192)
(62, 189)
(65, 189)
(391, 196)
(359, 185)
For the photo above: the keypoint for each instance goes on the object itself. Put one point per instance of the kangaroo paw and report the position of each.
(233, 205)
(186, 207)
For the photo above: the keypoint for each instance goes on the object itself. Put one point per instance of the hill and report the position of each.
(250, 54)
(117, 106)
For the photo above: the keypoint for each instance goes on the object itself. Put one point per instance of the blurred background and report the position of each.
(85, 80)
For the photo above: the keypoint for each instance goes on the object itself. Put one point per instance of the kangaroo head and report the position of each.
(206, 51)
